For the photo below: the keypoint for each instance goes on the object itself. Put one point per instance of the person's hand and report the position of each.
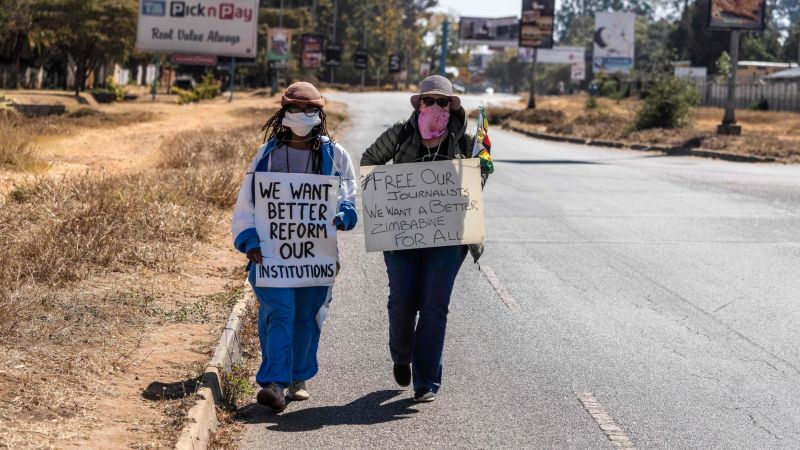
(254, 255)
(337, 221)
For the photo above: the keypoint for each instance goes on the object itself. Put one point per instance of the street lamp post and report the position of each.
(729, 125)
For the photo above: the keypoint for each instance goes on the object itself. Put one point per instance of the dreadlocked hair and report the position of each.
(274, 129)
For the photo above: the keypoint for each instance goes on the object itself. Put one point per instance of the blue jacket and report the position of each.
(335, 161)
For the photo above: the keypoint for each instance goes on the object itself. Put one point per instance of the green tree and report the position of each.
(89, 31)
(20, 35)
(693, 40)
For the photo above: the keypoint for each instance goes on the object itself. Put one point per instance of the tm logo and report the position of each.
(154, 8)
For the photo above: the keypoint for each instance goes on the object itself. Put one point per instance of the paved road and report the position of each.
(666, 287)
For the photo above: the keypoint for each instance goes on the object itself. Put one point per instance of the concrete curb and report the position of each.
(674, 151)
(201, 420)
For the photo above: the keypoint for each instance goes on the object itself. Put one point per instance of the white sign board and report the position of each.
(198, 27)
(691, 73)
(574, 56)
(294, 220)
(614, 42)
(420, 205)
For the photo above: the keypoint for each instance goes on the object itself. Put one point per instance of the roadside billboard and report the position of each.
(333, 55)
(691, 73)
(536, 25)
(280, 44)
(614, 42)
(575, 57)
(737, 14)
(199, 27)
(394, 63)
(360, 58)
(311, 51)
(502, 32)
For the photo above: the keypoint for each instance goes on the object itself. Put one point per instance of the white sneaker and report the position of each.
(297, 391)
(424, 397)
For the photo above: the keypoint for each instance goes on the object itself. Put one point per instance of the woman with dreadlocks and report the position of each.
(289, 319)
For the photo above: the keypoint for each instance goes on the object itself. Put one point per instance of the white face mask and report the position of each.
(299, 123)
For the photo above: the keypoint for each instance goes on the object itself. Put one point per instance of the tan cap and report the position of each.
(436, 84)
(302, 93)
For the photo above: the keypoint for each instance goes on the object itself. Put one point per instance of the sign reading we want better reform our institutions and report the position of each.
(420, 205)
(199, 27)
(294, 220)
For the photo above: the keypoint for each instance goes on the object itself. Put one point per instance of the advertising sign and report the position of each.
(574, 56)
(194, 60)
(198, 27)
(614, 42)
(421, 205)
(311, 51)
(294, 219)
(394, 63)
(333, 55)
(503, 32)
(424, 69)
(360, 58)
(280, 44)
(737, 14)
(691, 73)
(536, 26)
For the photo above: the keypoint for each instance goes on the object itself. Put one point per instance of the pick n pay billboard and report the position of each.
(199, 27)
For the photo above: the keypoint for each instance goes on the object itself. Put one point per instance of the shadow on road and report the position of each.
(543, 161)
(367, 410)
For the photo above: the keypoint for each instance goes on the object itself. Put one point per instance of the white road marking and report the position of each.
(506, 298)
(615, 434)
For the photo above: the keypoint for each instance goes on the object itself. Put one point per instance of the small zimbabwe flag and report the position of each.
(482, 148)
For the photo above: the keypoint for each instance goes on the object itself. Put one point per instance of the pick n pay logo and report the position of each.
(154, 8)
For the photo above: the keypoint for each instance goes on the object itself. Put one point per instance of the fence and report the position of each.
(773, 96)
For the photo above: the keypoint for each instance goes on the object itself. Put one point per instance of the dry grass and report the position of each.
(72, 308)
(18, 134)
(765, 133)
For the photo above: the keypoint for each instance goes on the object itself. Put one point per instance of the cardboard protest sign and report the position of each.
(294, 220)
(420, 205)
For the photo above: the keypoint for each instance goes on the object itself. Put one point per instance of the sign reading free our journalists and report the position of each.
(420, 205)
(294, 219)
(198, 27)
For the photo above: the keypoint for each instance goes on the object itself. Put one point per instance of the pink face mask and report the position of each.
(432, 121)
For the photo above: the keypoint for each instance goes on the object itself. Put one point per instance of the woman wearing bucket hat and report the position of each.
(289, 319)
(421, 280)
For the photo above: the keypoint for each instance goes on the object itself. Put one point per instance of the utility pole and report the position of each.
(532, 92)
(274, 64)
(443, 56)
(335, 19)
(364, 43)
(728, 125)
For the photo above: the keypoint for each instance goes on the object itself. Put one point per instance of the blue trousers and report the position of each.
(288, 332)
(420, 283)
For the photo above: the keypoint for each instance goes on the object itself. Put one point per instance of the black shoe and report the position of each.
(272, 397)
(402, 374)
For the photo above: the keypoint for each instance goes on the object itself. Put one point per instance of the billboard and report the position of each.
(536, 26)
(199, 27)
(333, 55)
(360, 58)
(311, 51)
(394, 63)
(502, 32)
(575, 57)
(737, 14)
(280, 44)
(614, 42)
(691, 73)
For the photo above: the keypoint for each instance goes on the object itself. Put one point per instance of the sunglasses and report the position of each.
(429, 101)
(309, 111)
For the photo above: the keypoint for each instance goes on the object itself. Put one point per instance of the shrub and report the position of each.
(118, 91)
(668, 104)
(208, 88)
(184, 96)
(591, 103)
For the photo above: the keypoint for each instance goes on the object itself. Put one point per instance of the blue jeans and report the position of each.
(288, 332)
(421, 282)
